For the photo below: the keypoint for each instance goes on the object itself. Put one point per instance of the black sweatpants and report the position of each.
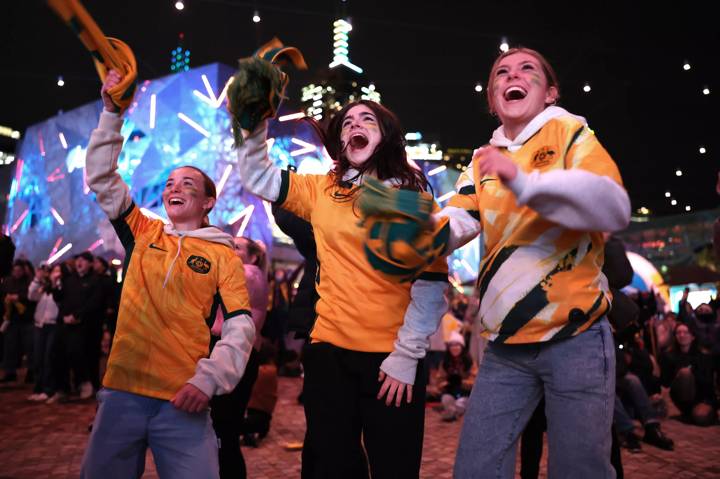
(228, 413)
(343, 414)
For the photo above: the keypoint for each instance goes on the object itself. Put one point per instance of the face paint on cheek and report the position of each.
(536, 79)
(191, 190)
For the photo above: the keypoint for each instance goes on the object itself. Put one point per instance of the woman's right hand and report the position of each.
(111, 80)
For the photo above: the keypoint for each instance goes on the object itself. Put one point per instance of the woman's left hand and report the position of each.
(394, 389)
(492, 162)
(190, 399)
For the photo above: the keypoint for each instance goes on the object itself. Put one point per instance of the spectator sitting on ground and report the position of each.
(455, 377)
(689, 374)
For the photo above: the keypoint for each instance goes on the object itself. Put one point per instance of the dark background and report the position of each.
(425, 58)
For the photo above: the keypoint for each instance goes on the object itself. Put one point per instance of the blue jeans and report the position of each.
(577, 378)
(183, 444)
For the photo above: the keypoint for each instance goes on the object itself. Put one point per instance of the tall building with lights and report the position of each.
(341, 83)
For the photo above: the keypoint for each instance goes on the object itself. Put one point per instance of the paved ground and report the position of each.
(47, 441)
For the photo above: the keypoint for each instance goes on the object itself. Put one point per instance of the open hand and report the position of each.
(394, 389)
(492, 162)
(111, 80)
(190, 399)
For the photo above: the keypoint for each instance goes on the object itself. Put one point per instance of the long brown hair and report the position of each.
(388, 161)
(547, 69)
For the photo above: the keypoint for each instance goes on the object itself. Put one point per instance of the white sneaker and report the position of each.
(42, 397)
(33, 397)
(86, 390)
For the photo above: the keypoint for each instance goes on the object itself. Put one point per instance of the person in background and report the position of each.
(228, 410)
(80, 300)
(17, 325)
(262, 400)
(46, 314)
(689, 373)
(455, 377)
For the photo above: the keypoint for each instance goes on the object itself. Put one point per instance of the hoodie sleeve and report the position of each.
(462, 212)
(220, 373)
(103, 152)
(587, 196)
(423, 315)
(257, 173)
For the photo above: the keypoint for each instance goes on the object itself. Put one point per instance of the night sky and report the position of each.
(425, 58)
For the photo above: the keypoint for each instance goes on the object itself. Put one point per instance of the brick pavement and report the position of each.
(47, 441)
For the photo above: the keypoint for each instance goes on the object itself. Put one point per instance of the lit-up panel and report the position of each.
(174, 120)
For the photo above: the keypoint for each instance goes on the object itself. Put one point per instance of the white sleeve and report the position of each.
(577, 199)
(34, 291)
(423, 315)
(220, 373)
(103, 151)
(463, 227)
(257, 173)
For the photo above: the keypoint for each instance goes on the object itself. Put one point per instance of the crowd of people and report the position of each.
(201, 330)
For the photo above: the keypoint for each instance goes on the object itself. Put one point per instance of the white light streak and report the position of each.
(437, 170)
(62, 140)
(446, 196)
(57, 255)
(194, 125)
(153, 99)
(306, 147)
(57, 216)
(245, 215)
(223, 180)
(292, 116)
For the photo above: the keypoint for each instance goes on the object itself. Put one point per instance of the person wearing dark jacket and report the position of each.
(17, 325)
(80, 300)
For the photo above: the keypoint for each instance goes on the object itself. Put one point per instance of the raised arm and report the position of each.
(103, 151)
(257, 173)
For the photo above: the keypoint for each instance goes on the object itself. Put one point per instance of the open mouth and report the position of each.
(358, 141)
(175, 202)
(514, 93)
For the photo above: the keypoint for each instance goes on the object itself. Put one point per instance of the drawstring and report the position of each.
(167, 276)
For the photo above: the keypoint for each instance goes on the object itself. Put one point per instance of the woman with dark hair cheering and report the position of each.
(363, 366)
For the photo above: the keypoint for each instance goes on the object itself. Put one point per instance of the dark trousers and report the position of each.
(18, 340)
(71, 356)
(531, 443)
(257, 422)
(93, 340)
(44, 356)
(228, 412)
(343, 414)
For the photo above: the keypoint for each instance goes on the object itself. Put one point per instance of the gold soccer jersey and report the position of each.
(358, 309)
(539, 278)
(163, 328)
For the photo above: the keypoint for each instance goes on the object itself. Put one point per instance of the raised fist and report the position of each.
(112, 79)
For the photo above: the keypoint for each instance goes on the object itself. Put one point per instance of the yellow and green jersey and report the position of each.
(541, 274)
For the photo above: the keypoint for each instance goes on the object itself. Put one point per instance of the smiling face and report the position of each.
(519, 90)
(361, 133)
(185, 199)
